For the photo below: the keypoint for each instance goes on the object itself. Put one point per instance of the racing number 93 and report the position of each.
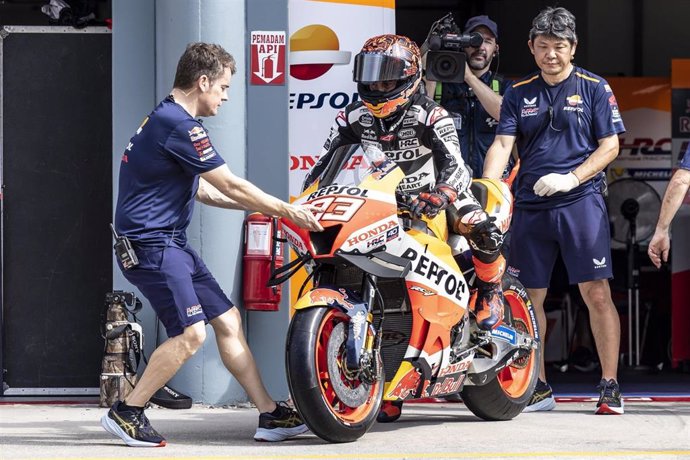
(339, 208)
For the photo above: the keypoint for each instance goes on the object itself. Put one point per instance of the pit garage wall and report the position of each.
(250, 132)
(148, 38)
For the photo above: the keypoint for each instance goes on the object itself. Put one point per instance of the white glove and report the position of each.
(554, 182)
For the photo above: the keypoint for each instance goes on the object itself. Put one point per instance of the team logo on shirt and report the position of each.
(204, 149)
(529, 108)
(615, 113)
(574, 100)
(574, 103)
(197, 133)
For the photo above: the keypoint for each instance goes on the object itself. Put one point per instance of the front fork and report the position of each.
(363, 340)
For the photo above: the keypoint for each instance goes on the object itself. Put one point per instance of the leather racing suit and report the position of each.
(423, 141)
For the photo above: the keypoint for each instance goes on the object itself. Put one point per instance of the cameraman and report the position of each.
(475, 104)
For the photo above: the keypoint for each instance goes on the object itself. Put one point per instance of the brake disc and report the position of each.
(351, 391)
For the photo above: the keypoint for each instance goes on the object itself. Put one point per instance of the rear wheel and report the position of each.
(336, 404)
(506, 396)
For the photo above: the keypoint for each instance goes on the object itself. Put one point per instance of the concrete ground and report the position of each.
(648, 430)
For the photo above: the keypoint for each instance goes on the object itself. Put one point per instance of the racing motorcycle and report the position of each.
(389, 315)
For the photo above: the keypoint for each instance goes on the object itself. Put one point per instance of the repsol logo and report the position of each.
(404, 155)
(372, 233)
(316, 101)
(451, 284)
(338, 190)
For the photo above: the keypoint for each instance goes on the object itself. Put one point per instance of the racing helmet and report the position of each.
(384, 58)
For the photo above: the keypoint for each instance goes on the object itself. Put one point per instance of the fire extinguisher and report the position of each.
(267, 65)
(262, 255)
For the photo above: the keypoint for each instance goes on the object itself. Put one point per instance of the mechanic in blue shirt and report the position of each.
(475, 104)
(673, 198)
(169, 163)
(565, 122)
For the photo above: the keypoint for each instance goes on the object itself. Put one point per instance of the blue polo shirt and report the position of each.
(476, 128)
(159, 176)
(685, 161)
(557, 128)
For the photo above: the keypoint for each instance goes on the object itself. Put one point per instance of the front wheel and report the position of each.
(337, 405)
(504, 397)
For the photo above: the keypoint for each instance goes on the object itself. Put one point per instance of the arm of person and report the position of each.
(211, 196)
(248, 196)
(487, 97)
(599, 159)
(552, 183)
(497, 156)
(660, 244)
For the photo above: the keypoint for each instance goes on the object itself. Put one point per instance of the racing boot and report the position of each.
(390, 411)
(488, 309)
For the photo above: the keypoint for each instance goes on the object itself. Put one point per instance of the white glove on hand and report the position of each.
(554, 182)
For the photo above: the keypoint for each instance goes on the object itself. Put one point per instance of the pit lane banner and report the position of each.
(646, 148)
(325, 35)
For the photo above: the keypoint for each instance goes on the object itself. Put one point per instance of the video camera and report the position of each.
(445, 60)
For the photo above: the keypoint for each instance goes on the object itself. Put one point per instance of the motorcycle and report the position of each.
(389, 315)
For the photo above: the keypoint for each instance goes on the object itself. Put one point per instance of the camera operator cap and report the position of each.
(478, 21)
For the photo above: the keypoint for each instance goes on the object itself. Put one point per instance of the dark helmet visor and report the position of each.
(370, 68)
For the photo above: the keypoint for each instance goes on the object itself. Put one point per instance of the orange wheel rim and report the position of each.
(515, 379)
(336, 406)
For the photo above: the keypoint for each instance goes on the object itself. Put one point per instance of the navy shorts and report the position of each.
(179, 287)
(579, 230)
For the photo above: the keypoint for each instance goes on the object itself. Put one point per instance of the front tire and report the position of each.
(504, 397)
(335, 405)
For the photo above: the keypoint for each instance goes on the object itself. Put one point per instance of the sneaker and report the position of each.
(488, 308)
(284, 422)
(542, 399)
(390, 411)
(131, 426)
(610, 402)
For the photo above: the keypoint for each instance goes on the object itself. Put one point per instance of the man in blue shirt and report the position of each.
(673, 198)
(565, 122)
(169, 163)
(475, 104)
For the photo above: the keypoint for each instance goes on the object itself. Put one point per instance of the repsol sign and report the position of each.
(404, 155)
(338, 190)
(453, 285)
(316, 101)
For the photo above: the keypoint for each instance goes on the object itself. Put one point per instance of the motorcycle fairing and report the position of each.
(346, 301)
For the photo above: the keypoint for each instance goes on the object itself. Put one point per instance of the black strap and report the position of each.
(282, 274)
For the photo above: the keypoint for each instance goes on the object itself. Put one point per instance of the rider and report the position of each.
(419, 135)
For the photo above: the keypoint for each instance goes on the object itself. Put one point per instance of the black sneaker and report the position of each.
(542, 399)
(280, 424)
(610, 402)
(132, 427)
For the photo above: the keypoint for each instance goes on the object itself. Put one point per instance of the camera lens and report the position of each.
(446, 67)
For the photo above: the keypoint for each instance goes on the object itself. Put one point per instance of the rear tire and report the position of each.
(505, 396)
(336, 408)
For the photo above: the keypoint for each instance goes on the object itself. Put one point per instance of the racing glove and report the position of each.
(554, 182)
(433, 202)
